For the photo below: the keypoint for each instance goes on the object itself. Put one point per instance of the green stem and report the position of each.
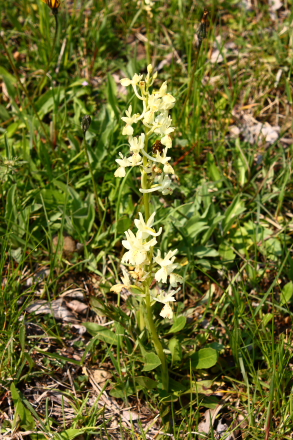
(93, 180)
(144, 184)
(148, 47)
(191, 81)
(38, 89)
(156, 341)
(151, 324)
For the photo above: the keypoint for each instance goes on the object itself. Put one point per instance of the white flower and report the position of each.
(135, 159)
(127, 130)
(136, 143)
(164, 184)
(123, 162)
(167, 312)
(165, 298)
(163, 89)
(134, 81)
(167, 265)
(167, 141)
(175, 279)
(164, 161)
(149, 118)
(128, 119)
(168, 102)
(163, 124)
(145, 229)
(126, 283)
(137, 248)
(154, 103)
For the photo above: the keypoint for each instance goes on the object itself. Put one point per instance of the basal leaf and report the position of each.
(152, 361)
(204, 358)
(101, 332)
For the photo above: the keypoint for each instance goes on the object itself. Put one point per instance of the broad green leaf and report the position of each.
(267, 318)
(122, 391)
(101, 332)
(202, 387)
(123, 224)
(146, 382)
(213, 171)
(286, 293)
(22, 416)
(204, 358)
(176, 350)
(152, 361)
(178, 325)
(71, 433)
(205, 252)
(232, 213)
(194, 227)
(226, 252)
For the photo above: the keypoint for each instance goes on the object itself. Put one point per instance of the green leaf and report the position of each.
(203, 251)
(267, 318)
(204, 358)
(286, 293)
(213, 171)
(178, 325)
(226, 252)
(194, 227)
(22, 416)
(146, 382)
(46, 103)
(202, 387)
(232, 213)
(71, 433)
(121, 391)
(152, 361)
(176, 350)
(101, 332)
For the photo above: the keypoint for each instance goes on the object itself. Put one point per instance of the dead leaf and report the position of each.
(68, 245)
(76, 306)
(274, 5)
(101, 376)
(56, 308)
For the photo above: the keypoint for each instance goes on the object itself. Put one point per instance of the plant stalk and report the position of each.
(93, 180)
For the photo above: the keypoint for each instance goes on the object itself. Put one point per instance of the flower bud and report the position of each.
(85, 123)
(150, 69)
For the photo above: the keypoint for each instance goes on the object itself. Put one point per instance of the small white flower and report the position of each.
(164, 161)
(167, 141)
(154, 103)
(163, 89)
(126, 283)
(175, 279)
(137, 248)
(135, 159)
(165, 298)
(163, 124)
(167, 312)
(168, 102)
(167, 265)
(127, 130)
(136, 143)
(123, 162)
(134, 81)
(145, 229)
(130, 119)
